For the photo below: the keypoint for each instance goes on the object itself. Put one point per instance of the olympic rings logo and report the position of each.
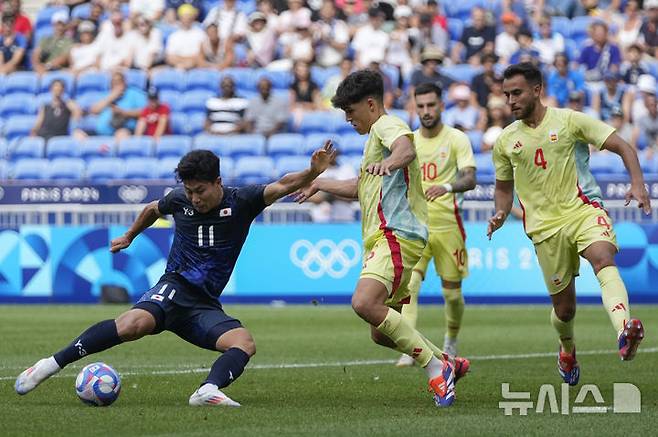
(325, 257)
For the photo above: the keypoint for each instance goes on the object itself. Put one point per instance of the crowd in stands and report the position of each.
(266, 69)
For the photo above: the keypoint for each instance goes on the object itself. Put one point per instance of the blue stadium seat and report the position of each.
(353, 161)
(461, 72)
(285, 144)
(340, 125)
(254, 169)
(321, 75)
(19, 126)
(97, 147)
(166, 167)
(39, 34)
(5, 170)
(135, 147)
(18, 104)
(67, 169)
(475, 137)
(173, 146)
(4, 149)
(244, 78)
(455, 29)
(572, 49)
(280, 79)
(141, 168)
(196, 123)
(21, 82)
(318, 121)
(45, 15)
(317, 140)
(561, 25)
(172, 98)
(136, 78)
(105, 169)
(484, 164)
(227, 168)
(601, 163)
(391, 72)
(352, 144)
(179, 123)
(215, 144)
(168, 79)
(36, 169)
(289, 164)
(87, 123)
(29, 147)
(202, 79)
(195, 101)
(89, 98)
(82, 11)
(92, 81)
(62, 147)
(245, 145)
(64, 76)
(580, 28)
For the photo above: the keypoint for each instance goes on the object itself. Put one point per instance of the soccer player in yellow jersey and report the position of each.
(543, 156)
(447, 170)
(393, 225)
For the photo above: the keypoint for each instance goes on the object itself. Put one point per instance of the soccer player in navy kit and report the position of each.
(212, 223)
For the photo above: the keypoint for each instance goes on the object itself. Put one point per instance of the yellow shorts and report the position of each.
(559, 255)
(390, 260)
(448, 248)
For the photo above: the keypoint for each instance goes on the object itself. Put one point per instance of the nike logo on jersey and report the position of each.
(226, 212)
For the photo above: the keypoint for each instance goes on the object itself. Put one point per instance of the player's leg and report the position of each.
(454, 312)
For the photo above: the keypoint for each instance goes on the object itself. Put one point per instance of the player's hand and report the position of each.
(434, 192)
(381, 168)
(305, 193)
(495, 223)
(639, 193)
(323, 157)
(120, 243)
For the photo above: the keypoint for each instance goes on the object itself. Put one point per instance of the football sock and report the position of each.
(227, 368)
(614, 297)
(435, 349)
(454, 309)
(410, 310)
(407, 339)
(103, 335)
(564, 330)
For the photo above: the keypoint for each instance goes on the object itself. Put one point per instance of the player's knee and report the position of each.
(360, 305)
(565, 312)
(134, 325)
(248, 346)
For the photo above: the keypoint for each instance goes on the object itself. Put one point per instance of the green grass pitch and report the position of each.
(317, 373)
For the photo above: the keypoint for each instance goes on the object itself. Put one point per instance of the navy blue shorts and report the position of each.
(201, 324)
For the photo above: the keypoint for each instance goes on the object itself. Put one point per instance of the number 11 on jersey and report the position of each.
(211, 235)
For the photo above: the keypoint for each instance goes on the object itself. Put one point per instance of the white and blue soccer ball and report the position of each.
(98, 384)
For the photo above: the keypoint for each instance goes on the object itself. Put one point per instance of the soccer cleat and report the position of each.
(443, 386)
(568, 367)
(209, 394)
(405, 361)
(450, 346)
(461, 365)
(35, 375)
(630, 339)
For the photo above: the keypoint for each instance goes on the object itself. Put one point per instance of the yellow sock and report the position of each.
(435, 349)
(410, 310)
(454, 309)
(564, 330)
(407, 339)
(614, 297)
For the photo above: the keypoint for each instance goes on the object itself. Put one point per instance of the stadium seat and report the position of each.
(280, 79)
(19, 126)
(45, 15)
(89, 98)
(141, 168)
(580, 28)
(172, 98)
(289, 164)
(475, 137)
(135, 147)
(92, 81)
(461, 72)
(82, 11)
(245, 145)
(227, 168)
(87, 123)
(67, 169)
(36, 169)
(285, 144)
(315, 141)
(601, 163)
(173, 146)
(196, 123)
(341, 125)
(244, 78)
(352, 144)
(105, 169)
(202, 79)
(215, 144)
(4, 149)
(21, 82)
(48, 78)
(166, 167)
(194, 102)
(97, 147)
(353, 161)
(392, 73)
(561, 25)
(254, 169)
(484, 164)
(455, 29)
(62, 147)
(29, 147)
(168, 79)
(39, 34)
(321, 75)
(18, 104)
(5, 170)
(317, 121)
(136, 78)
(179, 123)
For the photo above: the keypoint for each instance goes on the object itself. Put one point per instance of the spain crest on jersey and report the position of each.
(552, 137)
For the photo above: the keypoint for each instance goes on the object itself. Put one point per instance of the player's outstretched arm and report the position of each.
(503, 199)
(320, 161)
(465, 182)
(346, 189)
(638, 191)
(402, 153)
(146, 218)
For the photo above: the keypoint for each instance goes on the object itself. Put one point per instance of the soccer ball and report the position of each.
(98, 384)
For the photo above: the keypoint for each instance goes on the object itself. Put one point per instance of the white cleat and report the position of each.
(209, 394)
(450, 346)
(405, 361)
(35, 375)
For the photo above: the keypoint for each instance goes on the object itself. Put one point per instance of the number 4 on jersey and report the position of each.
(540, 161)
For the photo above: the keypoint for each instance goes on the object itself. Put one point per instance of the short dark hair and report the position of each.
(199, 165)
(59, 81)
(528, 70)
(428, 87)
(358, 86)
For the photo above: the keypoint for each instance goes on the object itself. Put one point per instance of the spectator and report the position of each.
(506, 41)
(330, 36)
(217, 52)
(623, 128)
(118, 112)
(430, 59)
(428, 34)
(172, 8)
(370, 41)
(482, 82)
(53, 51)
(398, 53)
(576, 102)
(185, 46)
(225, 113)
(54, 118)
(497, 120)
(526, 51)
(147, 50)
(231, 22)
(22, 24)
(296, 13)
(600, 56)
(330, 209)
(464, 115)
(646, 86)
(391, 90)
(153, 121)
(477, 38)
(152, 10)
(634, 67)
(331, 85)
(267, 114)
(562, 81)
(12, 46)
(629, 31)
(115, 46)
(440, 35)
(611, 96)
(304, 93)
(649, 29)
(497, 96)
(267, 8)
(84, 55)
(297, 45)
(646, 127)
(96, 16)
(261, 40)
(548, 43)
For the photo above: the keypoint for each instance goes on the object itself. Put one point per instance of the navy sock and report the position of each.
(227, 368)
(103, 335)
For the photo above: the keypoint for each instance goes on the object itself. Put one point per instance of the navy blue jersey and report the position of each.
(206, 246)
